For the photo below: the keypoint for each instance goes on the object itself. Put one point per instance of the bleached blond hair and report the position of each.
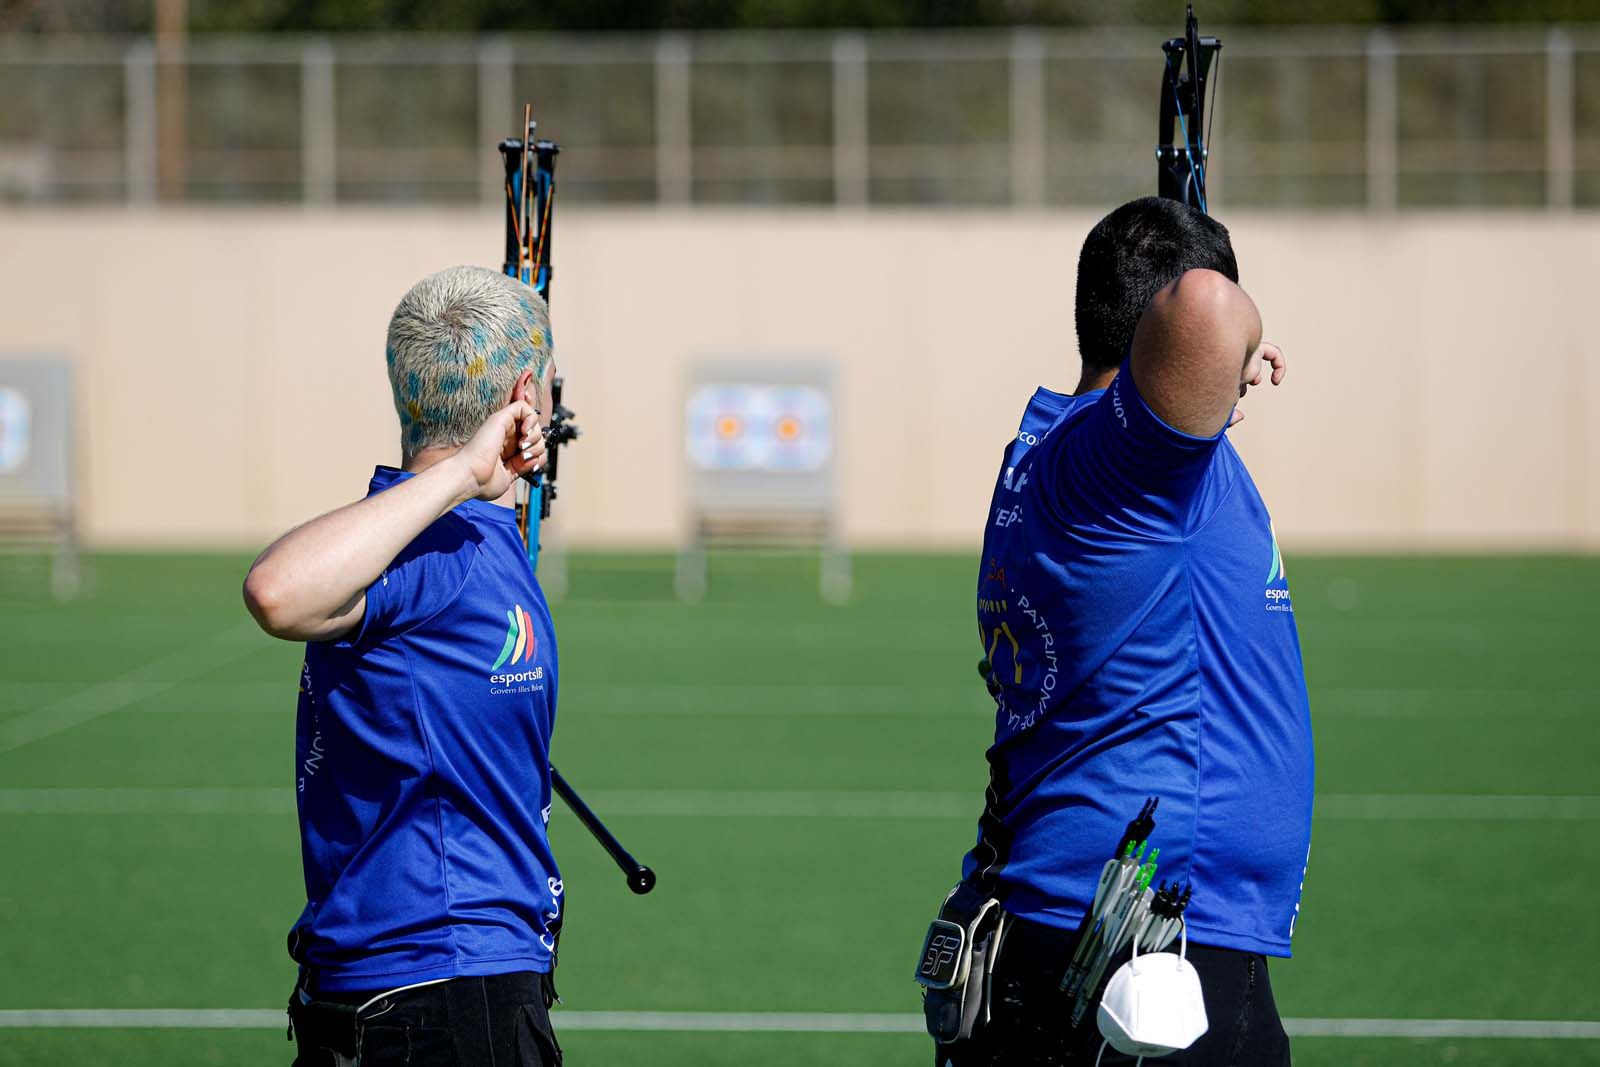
(457, 343)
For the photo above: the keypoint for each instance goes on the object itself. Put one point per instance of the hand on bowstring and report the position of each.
(506, 447)
(1266, 355)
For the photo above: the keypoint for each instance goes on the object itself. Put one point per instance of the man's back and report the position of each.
(1133, 605)
(426, 705)
(423, 767)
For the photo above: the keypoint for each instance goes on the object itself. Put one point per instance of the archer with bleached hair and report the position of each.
(426, 705)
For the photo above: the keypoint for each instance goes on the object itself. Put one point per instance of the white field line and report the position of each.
(143, 1019)
(151, 679)
(775, 1023)
(685, 699)
(879, 699)
(773, 804)
(221, 800)
(755, 1022)
(1526, 1029)
(1446, 808)
(1357, 702)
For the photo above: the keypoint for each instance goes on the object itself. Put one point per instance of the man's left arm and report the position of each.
(1197, 350)
(1139, 455)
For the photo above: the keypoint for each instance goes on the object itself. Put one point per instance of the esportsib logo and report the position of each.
(1277, 579)
(520, 642)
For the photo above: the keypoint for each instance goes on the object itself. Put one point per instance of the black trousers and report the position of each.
(1030, 1021)
(500, 1021)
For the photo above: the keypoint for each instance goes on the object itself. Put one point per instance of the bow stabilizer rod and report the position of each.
(1181, 153)
(641, 879)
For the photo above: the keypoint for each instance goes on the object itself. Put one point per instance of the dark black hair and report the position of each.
(1130, 256)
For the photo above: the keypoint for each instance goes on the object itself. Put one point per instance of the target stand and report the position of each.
(759, 439)
(37, 513)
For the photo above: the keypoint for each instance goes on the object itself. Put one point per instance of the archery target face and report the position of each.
(14, 429)
(759, 428)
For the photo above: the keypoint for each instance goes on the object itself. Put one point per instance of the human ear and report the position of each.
(526, 389)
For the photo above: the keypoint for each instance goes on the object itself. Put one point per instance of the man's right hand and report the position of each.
(508, 445)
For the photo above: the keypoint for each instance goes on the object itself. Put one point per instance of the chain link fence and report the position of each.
(1350, 119)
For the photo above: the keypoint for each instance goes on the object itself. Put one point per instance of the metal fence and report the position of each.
(1351, 119)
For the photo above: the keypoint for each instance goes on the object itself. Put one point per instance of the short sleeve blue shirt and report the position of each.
(1133, 603)
(423, 769)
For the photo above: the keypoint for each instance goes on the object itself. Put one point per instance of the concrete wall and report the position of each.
(1443, 389)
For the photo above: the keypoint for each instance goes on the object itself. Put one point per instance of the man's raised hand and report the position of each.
(1265, 355)
(508, 445)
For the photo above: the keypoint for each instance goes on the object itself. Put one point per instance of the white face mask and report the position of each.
(1153, 1005)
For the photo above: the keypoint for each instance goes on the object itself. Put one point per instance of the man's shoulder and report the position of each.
(1091, 477)
(430, 572)
(450, 537)
(468, 553)
(1049, 419)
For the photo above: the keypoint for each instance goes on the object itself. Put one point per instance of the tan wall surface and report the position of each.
(1444, 370)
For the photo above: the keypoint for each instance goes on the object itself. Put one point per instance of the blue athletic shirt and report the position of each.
(423, 771)
(1133, 603)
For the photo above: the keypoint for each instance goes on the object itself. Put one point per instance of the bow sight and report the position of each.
(530, 165)
(1181, 167)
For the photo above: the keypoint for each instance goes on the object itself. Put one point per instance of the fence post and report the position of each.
(674, 161)
(496, 109)
(139, 150)
(1559, 158)
(1382, 124)
(319, 143)
(850, 160)
(1028, 134)
(172, 99)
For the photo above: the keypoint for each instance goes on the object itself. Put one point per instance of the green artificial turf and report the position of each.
(1472, 678)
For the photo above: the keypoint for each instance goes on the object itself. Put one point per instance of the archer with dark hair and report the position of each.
(1130, 256)
(1139, 641)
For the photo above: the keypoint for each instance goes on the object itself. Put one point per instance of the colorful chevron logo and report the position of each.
(520, 642)
(1278, 573)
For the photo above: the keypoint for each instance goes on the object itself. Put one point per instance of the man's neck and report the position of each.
(428, 457)
(432, 457)
(1093, 378)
